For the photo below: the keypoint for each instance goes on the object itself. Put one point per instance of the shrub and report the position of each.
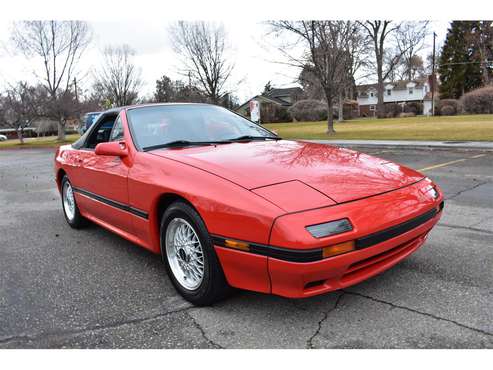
(448, 110)
(452, 104)
(392, 110)
(413, 107)
(309, 110)
(272, 113)
(479, 100)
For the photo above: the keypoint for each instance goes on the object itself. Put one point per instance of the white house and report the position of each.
(400, 92)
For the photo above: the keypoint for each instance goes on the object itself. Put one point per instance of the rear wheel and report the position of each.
(70, 209)
(189, 256)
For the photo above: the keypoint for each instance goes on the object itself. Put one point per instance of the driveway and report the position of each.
(66, 288)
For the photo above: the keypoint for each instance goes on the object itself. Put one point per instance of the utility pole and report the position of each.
(433, 78)
(75, 90)
(77, 114)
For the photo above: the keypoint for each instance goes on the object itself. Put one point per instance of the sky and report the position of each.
(255, 55)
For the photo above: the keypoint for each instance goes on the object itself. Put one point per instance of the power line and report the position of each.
(461, 63)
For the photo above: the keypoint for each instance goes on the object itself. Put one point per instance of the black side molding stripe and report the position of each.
(285, 254)
(112, 203)
(392, 232)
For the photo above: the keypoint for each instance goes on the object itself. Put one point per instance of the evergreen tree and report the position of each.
(267, 88)
(481, 39)
(459, 67)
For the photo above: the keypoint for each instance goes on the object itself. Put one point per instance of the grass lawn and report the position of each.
(40, 142)
(471, 127)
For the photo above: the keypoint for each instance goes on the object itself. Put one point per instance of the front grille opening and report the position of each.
(362, 267)
(378, 257)
(314, 284)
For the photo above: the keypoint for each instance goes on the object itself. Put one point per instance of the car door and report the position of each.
(102, 181)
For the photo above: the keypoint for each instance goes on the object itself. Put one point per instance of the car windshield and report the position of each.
(182, 125)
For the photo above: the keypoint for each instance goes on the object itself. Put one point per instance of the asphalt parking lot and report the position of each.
(91, 289)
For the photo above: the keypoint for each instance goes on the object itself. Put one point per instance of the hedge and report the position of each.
(478, 101)
(308, 110)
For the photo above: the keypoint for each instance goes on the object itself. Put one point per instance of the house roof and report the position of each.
(397, 85)
(275, 96)
(265, 98)
(275, 93)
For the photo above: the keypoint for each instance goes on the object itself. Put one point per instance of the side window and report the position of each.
(117, 132)
(101, 133)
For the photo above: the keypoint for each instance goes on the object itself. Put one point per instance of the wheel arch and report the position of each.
(59, 176)
(162, 204)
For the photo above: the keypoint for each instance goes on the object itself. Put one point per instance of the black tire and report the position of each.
(78, 221)
(213, 287)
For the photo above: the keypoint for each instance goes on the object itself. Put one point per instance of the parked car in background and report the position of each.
(88, 120)
(3, 137)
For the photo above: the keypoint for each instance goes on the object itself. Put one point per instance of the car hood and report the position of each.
(338, 173)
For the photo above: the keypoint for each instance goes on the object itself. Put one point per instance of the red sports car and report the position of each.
(228, 203)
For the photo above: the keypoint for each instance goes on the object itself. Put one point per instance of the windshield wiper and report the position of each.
(184, 143)
(251, 137)
(176, 143)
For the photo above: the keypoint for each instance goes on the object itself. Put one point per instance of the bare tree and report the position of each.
(59, 44)
(203, 49)
(359, 49)
(118, 79)
(412, 69)
(328, 56)
(409, 39)
(378, 32)
(20, 106)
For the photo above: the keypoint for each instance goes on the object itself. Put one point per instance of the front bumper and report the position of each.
(296, 280)
(281, 276)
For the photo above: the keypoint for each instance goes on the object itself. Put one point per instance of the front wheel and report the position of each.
(189, 256)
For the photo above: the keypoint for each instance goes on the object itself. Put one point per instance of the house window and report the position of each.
(371, 94)
(411, 90)
(389, 92)
(372, 107)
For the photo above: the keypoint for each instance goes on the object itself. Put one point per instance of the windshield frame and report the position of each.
(140, 149)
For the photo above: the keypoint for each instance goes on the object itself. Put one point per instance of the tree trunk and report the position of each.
(20, 135)
(380, 88)
(340, 116)
(61, 130)
(330, 118)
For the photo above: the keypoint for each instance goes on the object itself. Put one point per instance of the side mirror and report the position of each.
(113, 148)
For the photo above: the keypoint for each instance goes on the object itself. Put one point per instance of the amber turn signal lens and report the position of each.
(237, 245)
(334, 250)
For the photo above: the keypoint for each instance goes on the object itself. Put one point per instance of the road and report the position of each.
(91, 289)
